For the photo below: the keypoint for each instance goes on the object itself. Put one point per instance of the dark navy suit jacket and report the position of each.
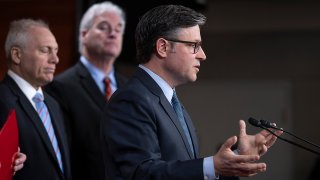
(82, 103)
(41, 160)
(144, 135)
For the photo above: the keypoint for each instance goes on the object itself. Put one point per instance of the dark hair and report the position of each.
(162, 21)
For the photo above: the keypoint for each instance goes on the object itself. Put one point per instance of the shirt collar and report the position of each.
(99, 75)
(165, 87)
(28, 90)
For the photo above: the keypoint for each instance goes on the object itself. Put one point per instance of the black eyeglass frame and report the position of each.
(196, 45)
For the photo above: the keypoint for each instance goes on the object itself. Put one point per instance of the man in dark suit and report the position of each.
(149, 134)
(19, 157)
(81, 90)
(31, 50)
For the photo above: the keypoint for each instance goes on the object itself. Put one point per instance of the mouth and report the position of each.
(50, 70)
(197, 67)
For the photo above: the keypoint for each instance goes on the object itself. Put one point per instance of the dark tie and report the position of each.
(177, 108)
(108, 90)
(46, 120)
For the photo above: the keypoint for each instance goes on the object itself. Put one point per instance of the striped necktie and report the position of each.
(46, 120)
(177, 108)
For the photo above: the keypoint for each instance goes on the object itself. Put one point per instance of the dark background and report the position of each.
(257, 41)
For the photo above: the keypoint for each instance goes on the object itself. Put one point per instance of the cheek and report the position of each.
(186, 64)
(93, 38)
(28, 62)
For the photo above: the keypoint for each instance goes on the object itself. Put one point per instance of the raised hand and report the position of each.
(227, 163)
(257, 144)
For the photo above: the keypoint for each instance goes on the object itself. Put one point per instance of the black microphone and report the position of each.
(254, 122)
(263, 125)
(268, 124)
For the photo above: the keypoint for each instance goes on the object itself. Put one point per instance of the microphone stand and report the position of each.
(257, 123)
(269, 125)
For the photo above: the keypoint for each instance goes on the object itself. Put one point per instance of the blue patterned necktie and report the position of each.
(46, 120)
(177, 108)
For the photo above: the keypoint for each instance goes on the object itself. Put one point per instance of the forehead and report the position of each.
(190, 32)
(42, 36)
(108, 17)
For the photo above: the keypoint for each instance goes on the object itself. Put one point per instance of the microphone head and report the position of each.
(266, 124)
(254, 122)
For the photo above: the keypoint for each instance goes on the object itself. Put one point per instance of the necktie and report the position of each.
(46, 120)
(108, 90)
(177, 108)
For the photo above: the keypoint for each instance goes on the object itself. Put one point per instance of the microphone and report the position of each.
(267, 126)
(254, 122)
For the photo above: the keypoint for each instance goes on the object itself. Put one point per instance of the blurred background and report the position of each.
(263, 61)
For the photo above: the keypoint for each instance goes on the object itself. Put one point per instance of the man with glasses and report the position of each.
(196, 45)
(149, 133)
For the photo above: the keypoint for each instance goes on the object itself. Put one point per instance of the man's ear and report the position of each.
(83, 33)
(16, 55)
(161, 47)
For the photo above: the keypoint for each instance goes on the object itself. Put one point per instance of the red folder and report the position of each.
(8, 145)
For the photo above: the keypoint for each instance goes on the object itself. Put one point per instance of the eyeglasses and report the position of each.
(196, 45)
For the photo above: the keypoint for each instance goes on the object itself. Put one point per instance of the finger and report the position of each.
(230, 142)
(265, 133)
(263, 150)
(279, 132)
(273, 138)
(246, 158)
(271, 141)
(17, 167)
(250, 169)
(242, 126)
(20, 159)
(268, 137)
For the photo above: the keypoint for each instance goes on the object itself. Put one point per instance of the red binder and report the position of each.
(9, 141)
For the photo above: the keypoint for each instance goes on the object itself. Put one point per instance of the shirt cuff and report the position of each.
(208, 169)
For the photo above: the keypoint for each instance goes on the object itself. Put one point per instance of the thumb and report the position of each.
(229, 142)
(242, 126)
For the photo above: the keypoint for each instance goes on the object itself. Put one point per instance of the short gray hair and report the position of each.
(19, 32)
(96, 10)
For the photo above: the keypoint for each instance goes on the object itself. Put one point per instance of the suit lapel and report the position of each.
(154, 88)
(170, 111)
(192, 132)
(90, 86)
(33, 116)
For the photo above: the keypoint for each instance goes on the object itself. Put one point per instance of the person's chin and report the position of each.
(193, 79)
(48, 79)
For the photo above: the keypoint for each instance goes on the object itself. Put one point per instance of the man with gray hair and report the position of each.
(84, 89)
(31, 51)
